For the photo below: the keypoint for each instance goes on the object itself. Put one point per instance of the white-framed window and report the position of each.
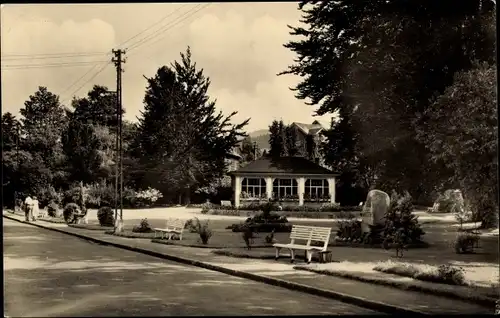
(285, 188)
(253, 187)
(316, 189)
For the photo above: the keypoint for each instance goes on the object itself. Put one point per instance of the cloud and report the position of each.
(30, 34)
(239, 46)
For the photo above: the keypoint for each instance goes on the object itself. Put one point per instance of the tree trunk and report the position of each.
(180, 198)
(187, 196)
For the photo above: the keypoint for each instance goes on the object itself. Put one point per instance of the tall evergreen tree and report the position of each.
(183, 140)
(276, 140)
(291, 141)
(10, 131)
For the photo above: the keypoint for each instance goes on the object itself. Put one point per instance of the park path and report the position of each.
(284, 270)
(52, 274)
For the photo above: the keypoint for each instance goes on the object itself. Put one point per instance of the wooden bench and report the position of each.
(172, 227)
(225, 203)
(309, 234)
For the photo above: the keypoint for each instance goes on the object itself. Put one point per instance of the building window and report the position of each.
(253, 188)
(316, 190)
(285, 189)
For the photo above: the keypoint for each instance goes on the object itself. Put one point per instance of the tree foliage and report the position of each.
(461, 132)
(378, 64)
(182, 139)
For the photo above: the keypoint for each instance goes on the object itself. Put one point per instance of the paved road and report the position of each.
(53, 274)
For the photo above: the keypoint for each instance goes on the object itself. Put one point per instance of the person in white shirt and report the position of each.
(35, 210)
(28, 203)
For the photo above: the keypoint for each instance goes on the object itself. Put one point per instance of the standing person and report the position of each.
(35, 210)
(27, 208)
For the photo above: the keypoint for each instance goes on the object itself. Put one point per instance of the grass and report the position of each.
(51, 219)
(130, 234)
(91, 226)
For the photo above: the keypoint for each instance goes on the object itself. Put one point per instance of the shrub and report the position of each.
(350, 231)
(190, 226)
(148, 196)
(270, 237)
(203, 230)
(143, 227)
(401, 225)
(262, 227)
(465, 243)
(52, 209)
(267, 208)
(100, 194)
(72, 195)
(69, 212)
(451, 275)
(247, 234)
(48, 195)
(205, 209)
(106, 216)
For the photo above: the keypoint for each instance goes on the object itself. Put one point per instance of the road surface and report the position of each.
(53, 274)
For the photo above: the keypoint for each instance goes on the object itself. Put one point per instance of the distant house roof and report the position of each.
(283, 165)
(311, 129)
(234, 154)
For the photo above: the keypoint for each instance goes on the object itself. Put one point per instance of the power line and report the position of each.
(44, 65)
(79, 79)
(60, 56)
(53, 54)
(151, 26)
(81, 86)
(167, 27)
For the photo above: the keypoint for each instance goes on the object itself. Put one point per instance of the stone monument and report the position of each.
(376, 206)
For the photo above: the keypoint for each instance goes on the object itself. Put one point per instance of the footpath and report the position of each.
(380, 298)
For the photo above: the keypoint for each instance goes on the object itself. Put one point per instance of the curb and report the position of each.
(353, 300)
(481, 300)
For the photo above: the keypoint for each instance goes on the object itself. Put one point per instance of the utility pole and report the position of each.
(118, 60)
(16, 184)
(254, 150)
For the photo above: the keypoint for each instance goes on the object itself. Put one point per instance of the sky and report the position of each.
(238, 45)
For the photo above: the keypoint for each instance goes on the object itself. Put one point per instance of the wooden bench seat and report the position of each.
(308, 234)
(172, 227)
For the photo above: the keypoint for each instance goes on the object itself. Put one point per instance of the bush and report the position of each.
(262, 227)
(71, 195)
(451, 275)
(69, 212)
(48, 195)
(100, 194)
(190, 226)
(143, 227)
(148, 196)
(350, 231)
(52, 209)
(205, 209)
(203, 230)
(247, 234)
(106, 216)
(465, 243)
(401, 225)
